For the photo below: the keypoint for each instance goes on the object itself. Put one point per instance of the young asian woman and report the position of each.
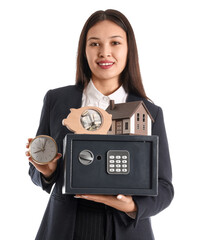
(107, 68)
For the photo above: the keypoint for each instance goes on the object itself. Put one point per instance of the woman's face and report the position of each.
(106, 51)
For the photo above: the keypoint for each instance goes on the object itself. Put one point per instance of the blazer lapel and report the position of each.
(77, 97)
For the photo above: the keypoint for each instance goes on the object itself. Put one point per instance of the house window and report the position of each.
(138, 117)
(143, 117)
(143, 127)
(126, 125)
(119, 127)
(138, 126)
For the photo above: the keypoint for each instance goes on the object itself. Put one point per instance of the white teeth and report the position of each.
(105, 64)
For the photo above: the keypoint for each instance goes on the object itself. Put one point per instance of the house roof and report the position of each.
(126, 110)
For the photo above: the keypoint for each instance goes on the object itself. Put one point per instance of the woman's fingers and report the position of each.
(123, 198)
(27, 153)
(29, 141)
(59, 155)
(120, 202)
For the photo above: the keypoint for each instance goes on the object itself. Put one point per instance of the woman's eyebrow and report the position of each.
(93, 38)
(96, 38)
(116, 36)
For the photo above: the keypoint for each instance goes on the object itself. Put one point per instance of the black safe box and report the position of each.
(110, 164)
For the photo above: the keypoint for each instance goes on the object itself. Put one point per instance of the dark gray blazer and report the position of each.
(59, 218)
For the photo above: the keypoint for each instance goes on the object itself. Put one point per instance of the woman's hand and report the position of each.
(48, 169)
(120, 202)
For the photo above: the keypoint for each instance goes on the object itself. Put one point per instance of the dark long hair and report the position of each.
(130, 77)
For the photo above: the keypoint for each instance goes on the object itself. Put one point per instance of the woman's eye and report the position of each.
(115, 43)
(94, 44)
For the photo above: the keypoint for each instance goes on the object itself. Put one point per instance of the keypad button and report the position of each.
(124, 165)
(112, 161)
(118, 157)
(124, 157)
(124, 161)
(112, 165)
(118, 170)
(111, 157)
(112, 170)
(118, 161)
(118, 165)
(124, 170)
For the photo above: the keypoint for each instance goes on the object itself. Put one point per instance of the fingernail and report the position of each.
(76, 197)
(119, 197)
(84, 196)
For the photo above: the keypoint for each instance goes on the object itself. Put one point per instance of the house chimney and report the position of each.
(112, 105)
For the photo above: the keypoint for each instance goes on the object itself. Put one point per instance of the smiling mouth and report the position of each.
(106, 64)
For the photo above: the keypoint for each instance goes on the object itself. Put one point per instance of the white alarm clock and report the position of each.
(43, 149)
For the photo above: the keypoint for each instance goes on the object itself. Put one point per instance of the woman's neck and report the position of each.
(106, 87)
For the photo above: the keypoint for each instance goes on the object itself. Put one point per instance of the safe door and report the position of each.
(110, 164)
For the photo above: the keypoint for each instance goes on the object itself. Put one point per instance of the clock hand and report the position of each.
(39, 151)
(44, 144)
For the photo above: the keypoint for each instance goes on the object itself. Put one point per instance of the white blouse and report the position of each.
(92, 97)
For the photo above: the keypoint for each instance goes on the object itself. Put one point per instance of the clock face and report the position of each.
(43, 149)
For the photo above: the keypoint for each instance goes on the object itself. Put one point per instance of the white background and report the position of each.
(38, 47)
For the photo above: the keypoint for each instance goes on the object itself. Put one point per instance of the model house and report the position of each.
(130, 118)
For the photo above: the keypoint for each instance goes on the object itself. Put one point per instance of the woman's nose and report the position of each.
(105, 51)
